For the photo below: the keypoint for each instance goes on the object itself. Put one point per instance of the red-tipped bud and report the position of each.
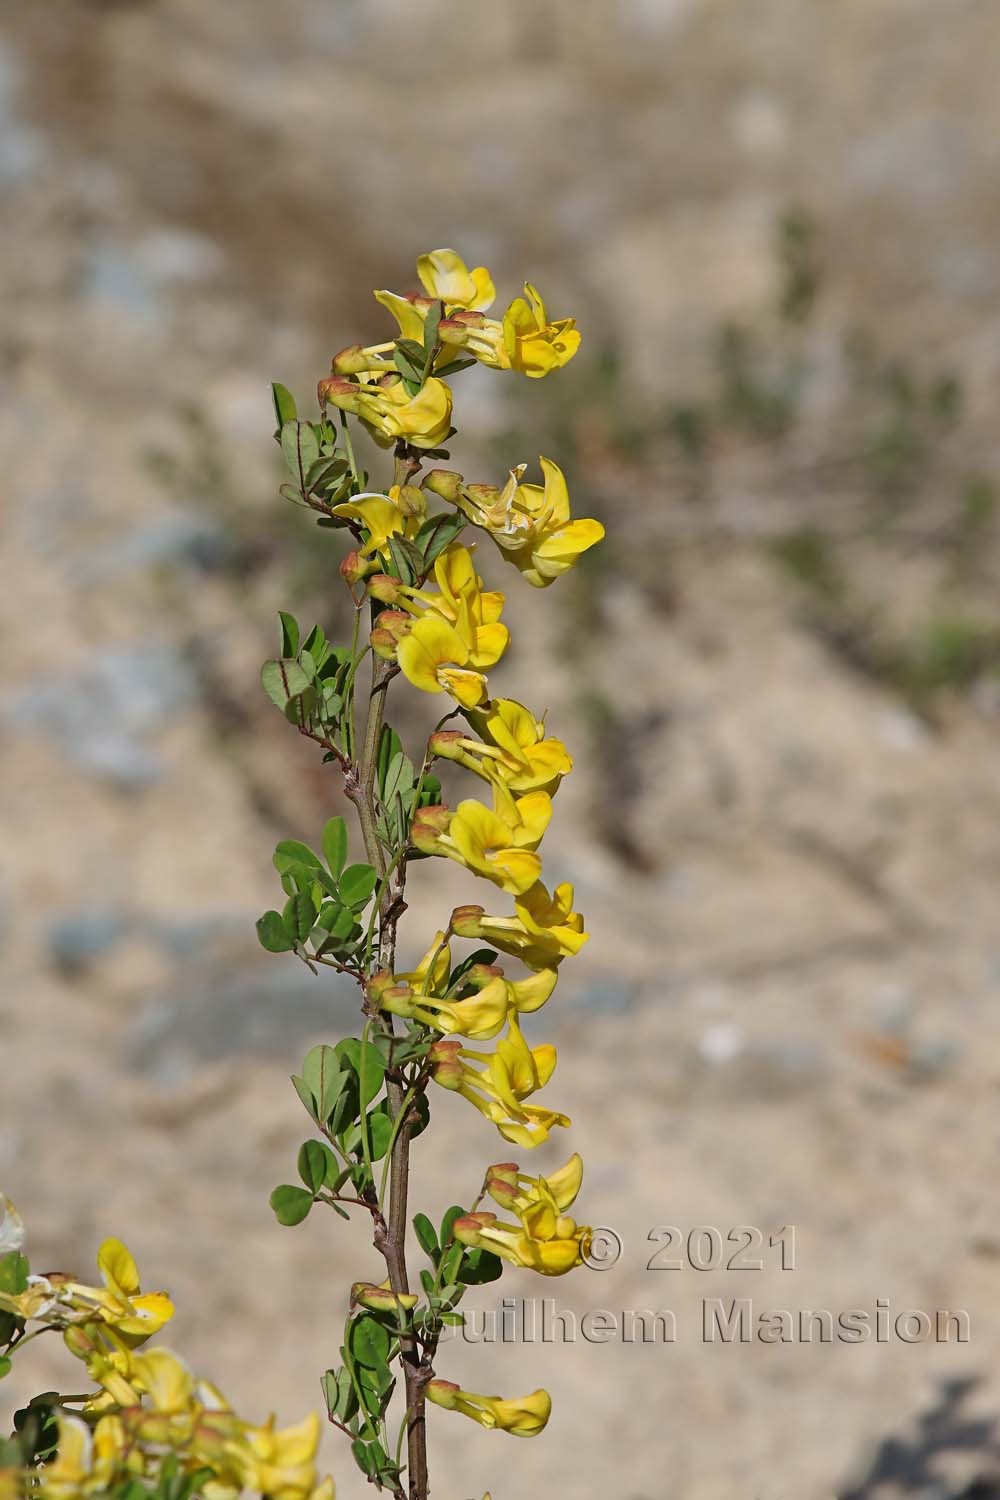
(333, 386)
(447, 743)
(428, 826)
(501, 1184)
(355, 568)
(465, 921)
(444, 482)
(380, 1298)
(378, 984)
(446, 1064)
(383, 588)
(350, 361)
(78, 1342)
(468, 1229)
(392, 625)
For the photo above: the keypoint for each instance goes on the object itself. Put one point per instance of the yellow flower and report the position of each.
(388, 410)
(11, 1227)
(497, 844)
(533, 345)
(546, 1239)
(279, 1463)
(399, 513)
(424, 996)
(514, 748)
(435, 657)
(510, 1075)
(524, 341)
(542, 932)
(445, 277)
(523, 1416)
(530, 523)
(455, 633)
(121, 1304)
(70, 1473)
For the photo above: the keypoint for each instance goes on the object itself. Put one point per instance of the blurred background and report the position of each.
(777, 225)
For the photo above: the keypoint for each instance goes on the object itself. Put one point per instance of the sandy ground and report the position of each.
(786, 1014)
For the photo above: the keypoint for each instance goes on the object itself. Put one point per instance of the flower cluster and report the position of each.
(148, 1416)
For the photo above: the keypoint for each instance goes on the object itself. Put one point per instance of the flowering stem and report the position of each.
(390, 1240)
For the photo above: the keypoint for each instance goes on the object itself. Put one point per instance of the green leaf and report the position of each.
(14, 1273)
(284, 404)
(364, 1457)
(357, 884)
(291, 1204)
(324, 1076)
(369, 1342)
(300, 447)
(282, 681)
(290, 852)
(446, 1223)
(6, 1365)
(407, 562)
(389, 745)
(339, 1393)
(478, 1267)
(426, 1236)
(350, 1051)
(289, 633)
(437, 533)
(271, 933)
(431, 322)
(299, 916)
(316, 1164)
(335, 846)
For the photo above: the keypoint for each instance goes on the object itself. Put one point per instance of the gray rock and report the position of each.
(22, 149)
(78, 939)
(269, 1011)
(99, 718)
(609, 996)
(178, 539)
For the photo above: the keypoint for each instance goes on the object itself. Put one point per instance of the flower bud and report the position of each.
(354, 568)
(442, 1393)
(444, 482)
(334, 385)
(446, 1064)
(383, 588)
(350, 361)
(445, 743)
(465, 921)
(392, 625)
(380, 1298)
(429, 824)
(410, 500)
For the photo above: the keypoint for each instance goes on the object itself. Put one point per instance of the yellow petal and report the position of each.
(409, 318)
(117, 1267)
(444, 274)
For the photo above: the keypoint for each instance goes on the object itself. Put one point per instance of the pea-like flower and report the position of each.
(120, 1302)
(531, 524)
(477, 1007)
(444, 640)
(542, 932)
(546, 1239)
(497, 844)
(523, 1416)
(510, 1075)
(514, 748)
(399, 513)
(445, 278)
(389, 411)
